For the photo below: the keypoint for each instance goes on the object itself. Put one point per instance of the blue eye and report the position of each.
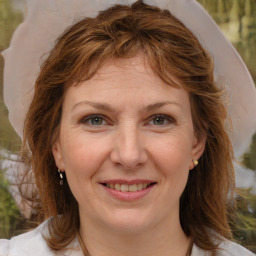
(160, 120)
(94, 120)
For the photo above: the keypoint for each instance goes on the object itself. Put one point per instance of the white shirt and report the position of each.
(33, 244)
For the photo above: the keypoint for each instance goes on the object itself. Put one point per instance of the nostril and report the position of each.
(128, 155)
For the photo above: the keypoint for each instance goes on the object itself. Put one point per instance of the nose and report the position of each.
(128, 151)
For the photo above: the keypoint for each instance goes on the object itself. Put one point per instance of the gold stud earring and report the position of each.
(195, 162)
(61, 176)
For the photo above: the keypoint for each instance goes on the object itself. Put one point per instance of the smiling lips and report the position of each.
(128, 190)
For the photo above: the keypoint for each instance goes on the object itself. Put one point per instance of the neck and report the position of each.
(162, 239)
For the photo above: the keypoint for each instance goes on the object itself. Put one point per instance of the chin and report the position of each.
(129, 222)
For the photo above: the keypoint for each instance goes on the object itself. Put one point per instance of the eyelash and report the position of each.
(169, 119)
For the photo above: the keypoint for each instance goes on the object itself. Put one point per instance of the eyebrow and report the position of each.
(161, 104)
(107, 107)
(97, 105)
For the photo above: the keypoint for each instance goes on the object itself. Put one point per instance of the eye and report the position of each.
(161, 120)
(93, 120)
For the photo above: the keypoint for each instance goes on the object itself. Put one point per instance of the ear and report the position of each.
(57, 154)
(197, 149)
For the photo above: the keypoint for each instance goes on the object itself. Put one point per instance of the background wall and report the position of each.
(237, 19)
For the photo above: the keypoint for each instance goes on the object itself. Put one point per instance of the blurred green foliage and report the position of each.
(245, 221)
(9, 20)
(250, 157)
(9, 212)
(237, 19)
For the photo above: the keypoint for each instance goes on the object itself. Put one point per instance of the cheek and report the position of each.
(82, 155)
(83, 159)
(173, 153)
(172, 159)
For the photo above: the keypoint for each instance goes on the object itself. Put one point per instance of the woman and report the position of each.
(127, 142)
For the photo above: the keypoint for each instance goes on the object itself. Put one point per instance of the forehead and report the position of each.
(126, 80)
(120, 69)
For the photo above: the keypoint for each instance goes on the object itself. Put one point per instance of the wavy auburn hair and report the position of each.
(173, 52)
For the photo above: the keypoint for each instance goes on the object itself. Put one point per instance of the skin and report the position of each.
(127, 141)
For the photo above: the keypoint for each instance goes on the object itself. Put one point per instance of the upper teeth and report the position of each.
(128, 188)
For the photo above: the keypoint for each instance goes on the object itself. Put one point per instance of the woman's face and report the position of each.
(126, 144)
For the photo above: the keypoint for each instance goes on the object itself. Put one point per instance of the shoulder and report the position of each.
(30, 243)
(226, 248)
(33, 243)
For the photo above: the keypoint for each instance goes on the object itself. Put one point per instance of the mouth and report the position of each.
(131, 187)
